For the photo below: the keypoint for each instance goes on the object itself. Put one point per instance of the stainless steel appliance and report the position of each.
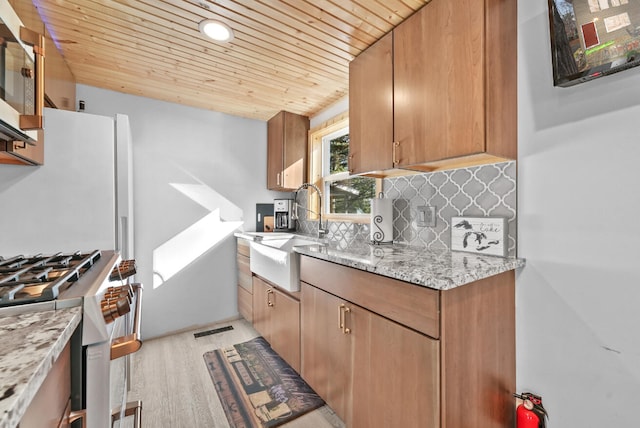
(21, 88)
(283, 212)
(81, 198)
(99, 282)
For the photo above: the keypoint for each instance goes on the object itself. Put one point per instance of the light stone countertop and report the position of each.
(440, 270)
(29, 345)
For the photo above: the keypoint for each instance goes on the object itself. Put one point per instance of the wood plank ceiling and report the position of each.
(286, 55)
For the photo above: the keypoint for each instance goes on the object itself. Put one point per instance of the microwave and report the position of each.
(21, 88)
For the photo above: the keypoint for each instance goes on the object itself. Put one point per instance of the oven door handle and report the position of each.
(132, 408)
(125, 345)
(78, 414)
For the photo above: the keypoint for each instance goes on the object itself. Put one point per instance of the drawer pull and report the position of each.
(342, 324)
(269, 293)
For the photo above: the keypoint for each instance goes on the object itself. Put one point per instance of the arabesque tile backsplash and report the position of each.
(481, 191)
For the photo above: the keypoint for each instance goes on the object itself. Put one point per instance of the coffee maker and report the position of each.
(284, 215)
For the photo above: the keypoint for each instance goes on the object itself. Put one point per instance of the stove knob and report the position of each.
(112, 309)
(123, 306)
(108, 312)
(117, 294)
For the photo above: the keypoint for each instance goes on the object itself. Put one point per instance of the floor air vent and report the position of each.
(214, 331)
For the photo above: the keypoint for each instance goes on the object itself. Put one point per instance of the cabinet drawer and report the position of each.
(243, 247)
(245, 304)
(411, 305)
(244, 273)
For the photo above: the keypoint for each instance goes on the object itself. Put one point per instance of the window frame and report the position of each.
(316, 155)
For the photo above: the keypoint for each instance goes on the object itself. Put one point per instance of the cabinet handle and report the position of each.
(395, 160)
(269, 302)
(278, 179)
(342, 311)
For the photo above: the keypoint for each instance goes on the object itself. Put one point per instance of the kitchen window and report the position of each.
(345, 197)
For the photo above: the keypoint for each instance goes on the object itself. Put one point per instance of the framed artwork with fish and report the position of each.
(482, 235)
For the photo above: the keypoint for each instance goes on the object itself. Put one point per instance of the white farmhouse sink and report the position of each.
(275, 260)
(258, 236)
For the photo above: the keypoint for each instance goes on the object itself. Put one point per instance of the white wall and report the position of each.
(333, 110)
(577, 298)
(222, 159)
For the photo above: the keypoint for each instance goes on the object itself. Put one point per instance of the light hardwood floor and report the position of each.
(170, 377)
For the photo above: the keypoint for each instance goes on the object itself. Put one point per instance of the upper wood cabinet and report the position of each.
(447, 90)
(371, 108)
(286, 151)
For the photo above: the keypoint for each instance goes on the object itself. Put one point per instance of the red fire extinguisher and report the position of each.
(531, 413)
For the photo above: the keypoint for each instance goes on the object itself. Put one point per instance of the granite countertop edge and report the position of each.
(28, 374)
(436, 269)
(455, 269)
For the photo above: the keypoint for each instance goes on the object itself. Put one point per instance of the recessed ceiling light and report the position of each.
(216, 30)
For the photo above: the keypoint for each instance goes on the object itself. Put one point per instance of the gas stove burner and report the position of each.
(41, 278)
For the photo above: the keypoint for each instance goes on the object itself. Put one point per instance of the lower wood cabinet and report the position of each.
(383, 352)
(370, 370)
(327, 363)
(276, 316)
(245, 283)
(395, 373)
(50, 406)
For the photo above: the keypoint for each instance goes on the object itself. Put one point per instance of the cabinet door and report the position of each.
(286, 151)
(49, 405)
(326, 350)
(276, 316)
(285, 328)
(294, 154)
(439, 82)
(261, 310)
(371, 108)
(244, 273)
(275, 151)
(245, 304)
(395, 373)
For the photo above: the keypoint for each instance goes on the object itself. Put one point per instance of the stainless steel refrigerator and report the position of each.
(81, 198)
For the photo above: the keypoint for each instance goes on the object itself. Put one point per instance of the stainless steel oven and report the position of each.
(110, 331)
(22, 97)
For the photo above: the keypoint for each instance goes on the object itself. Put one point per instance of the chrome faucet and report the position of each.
(321, 231)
